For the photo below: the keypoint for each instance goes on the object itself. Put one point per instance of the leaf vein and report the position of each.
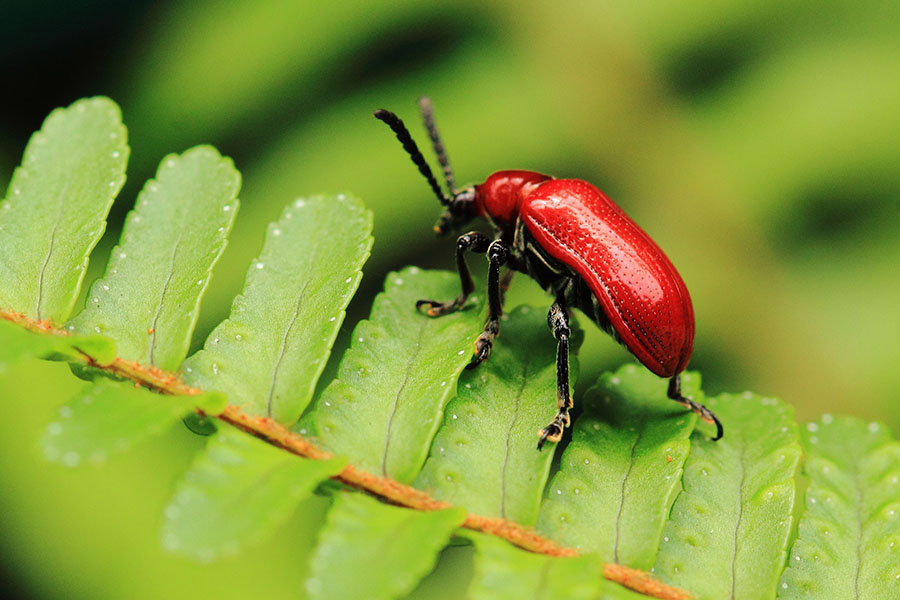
(162, 300)
(390, 425)
(40, 294)
(740, 516)
(283, 350)
(512, 424)
(637, 440)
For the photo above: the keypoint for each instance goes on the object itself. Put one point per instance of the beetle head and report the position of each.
(460, 210)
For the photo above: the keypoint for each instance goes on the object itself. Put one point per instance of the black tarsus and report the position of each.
(707, 415)
(497, 254)
(558, 320)
(473, 241)
(428, 115)
(402, 133)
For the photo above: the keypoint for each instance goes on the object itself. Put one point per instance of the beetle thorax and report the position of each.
(499, 198)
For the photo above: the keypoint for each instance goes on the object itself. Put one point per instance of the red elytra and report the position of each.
(580, 247)
(640, 291)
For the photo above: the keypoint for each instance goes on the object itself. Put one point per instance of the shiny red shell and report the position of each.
(640, 291)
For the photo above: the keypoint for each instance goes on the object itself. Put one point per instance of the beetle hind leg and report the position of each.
(558, 319)
(704, 413)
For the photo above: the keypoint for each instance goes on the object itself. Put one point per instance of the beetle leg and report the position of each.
(707, 415)
(497, 254)
(558, 319)
(472, 241)
(505, 280)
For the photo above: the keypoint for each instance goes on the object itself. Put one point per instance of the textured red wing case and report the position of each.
(637, 286)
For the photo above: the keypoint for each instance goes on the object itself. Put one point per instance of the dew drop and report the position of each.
(65, 411)
(238, 337)
(827, 419)
(116, 154)
(54, 428)
(461, 352)
(873, 427)
(71, 459)
(454, 417)
(332, 319)
(215, 368)
(226, 208)
(259, 265)
(812, 427)
(276, 231)
(666, 539)
(299, 203)
(615, 381)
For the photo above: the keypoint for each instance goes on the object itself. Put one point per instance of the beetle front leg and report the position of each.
(497, 254)
(558, 319)
(473, 241)
(707, 415)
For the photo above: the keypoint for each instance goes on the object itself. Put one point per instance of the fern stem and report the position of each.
(276, 434)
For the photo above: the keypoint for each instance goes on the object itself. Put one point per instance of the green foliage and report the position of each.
(112, 416)
(371, 550)
(238, 491)
(848, 545)
(150, 295)
(483, 457)
(622, 471)
(505, 572)
(385, 405)
(728, 532)
(268, 355)
(55, 210)
(637, 483)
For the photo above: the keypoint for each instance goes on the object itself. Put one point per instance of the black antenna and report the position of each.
(397, 126)
(428, 114)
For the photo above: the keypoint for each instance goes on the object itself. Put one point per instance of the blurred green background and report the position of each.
(757, 142)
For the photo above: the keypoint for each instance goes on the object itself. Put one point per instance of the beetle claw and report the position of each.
(438, 309)
(483, 346)
(553, 432)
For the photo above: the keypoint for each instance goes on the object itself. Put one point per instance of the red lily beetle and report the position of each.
(580, 247)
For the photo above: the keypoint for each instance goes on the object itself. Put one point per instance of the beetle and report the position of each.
(581, 248)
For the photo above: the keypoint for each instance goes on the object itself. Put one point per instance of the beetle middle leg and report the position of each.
(498, 255)
(558, 319)
(473, 241)
(707, 415)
